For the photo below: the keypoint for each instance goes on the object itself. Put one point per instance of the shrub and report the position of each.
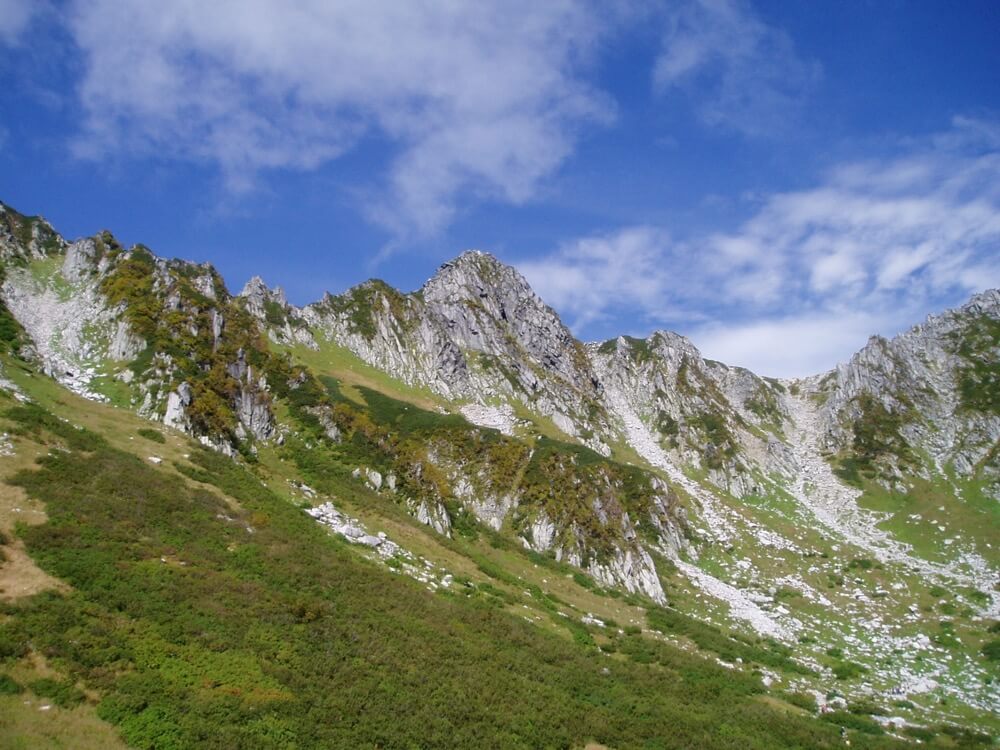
(9, 687)
(150, 434)
(61, 692)
(12, 644)
(853, 721)
(846, 670)
(991, 650)
(802, 700)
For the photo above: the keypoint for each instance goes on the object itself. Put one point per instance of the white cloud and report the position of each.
(803, 282)
(595, 277)
(793, 346)
(481, 98)
(741, 73)
(15, 17)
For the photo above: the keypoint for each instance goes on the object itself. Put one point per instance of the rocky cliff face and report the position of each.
(720, 420)
(166, 338)
(475, 332)
(923, 402)
(124, 326)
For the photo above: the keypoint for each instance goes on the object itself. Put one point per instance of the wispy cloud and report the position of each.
(740, 73)
(802, 283)
(595, 278)
(15, 17)
(476, 98)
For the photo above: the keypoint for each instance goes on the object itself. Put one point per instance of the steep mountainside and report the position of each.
(475, 332)
(926, 402)
(848, 522)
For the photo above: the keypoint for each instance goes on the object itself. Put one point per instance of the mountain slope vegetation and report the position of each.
(436, 519)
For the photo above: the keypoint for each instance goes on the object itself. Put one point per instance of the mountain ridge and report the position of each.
(657, 472)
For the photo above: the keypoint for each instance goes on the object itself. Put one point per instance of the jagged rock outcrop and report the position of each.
(476, 331)
(101, 319)
(282, 321)
(176, 412)
(26, 237)
(930, 391)
(722, 420)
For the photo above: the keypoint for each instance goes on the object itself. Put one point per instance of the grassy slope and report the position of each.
(231, 624)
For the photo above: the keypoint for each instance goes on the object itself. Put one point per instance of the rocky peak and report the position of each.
(926, 391)
(475, 271)
(984, 303)
(27, 236)
(489, 307)
(257, 295)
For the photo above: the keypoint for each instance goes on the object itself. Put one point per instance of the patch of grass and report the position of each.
(40, 425)
(853, 721)
(727, 647)
(965, 737)
(407, 418)
(802, 700)
(150, 434)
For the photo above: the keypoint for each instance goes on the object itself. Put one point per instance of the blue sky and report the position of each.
(776, 180)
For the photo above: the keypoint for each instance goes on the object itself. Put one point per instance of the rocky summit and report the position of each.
(839, 534)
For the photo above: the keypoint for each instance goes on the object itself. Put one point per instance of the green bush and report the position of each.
(853, 721)
(846, 670)
(13, 644)
(802, 700)
(9, 687)
(150, 434)
(991, 650)
(61, 692)
(920, 733)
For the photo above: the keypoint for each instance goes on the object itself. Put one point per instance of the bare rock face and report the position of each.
(488, 308)
(253, 410)
(432, 514)
(631, 569)
(176, 414)
(74, 330)
(283, 322)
